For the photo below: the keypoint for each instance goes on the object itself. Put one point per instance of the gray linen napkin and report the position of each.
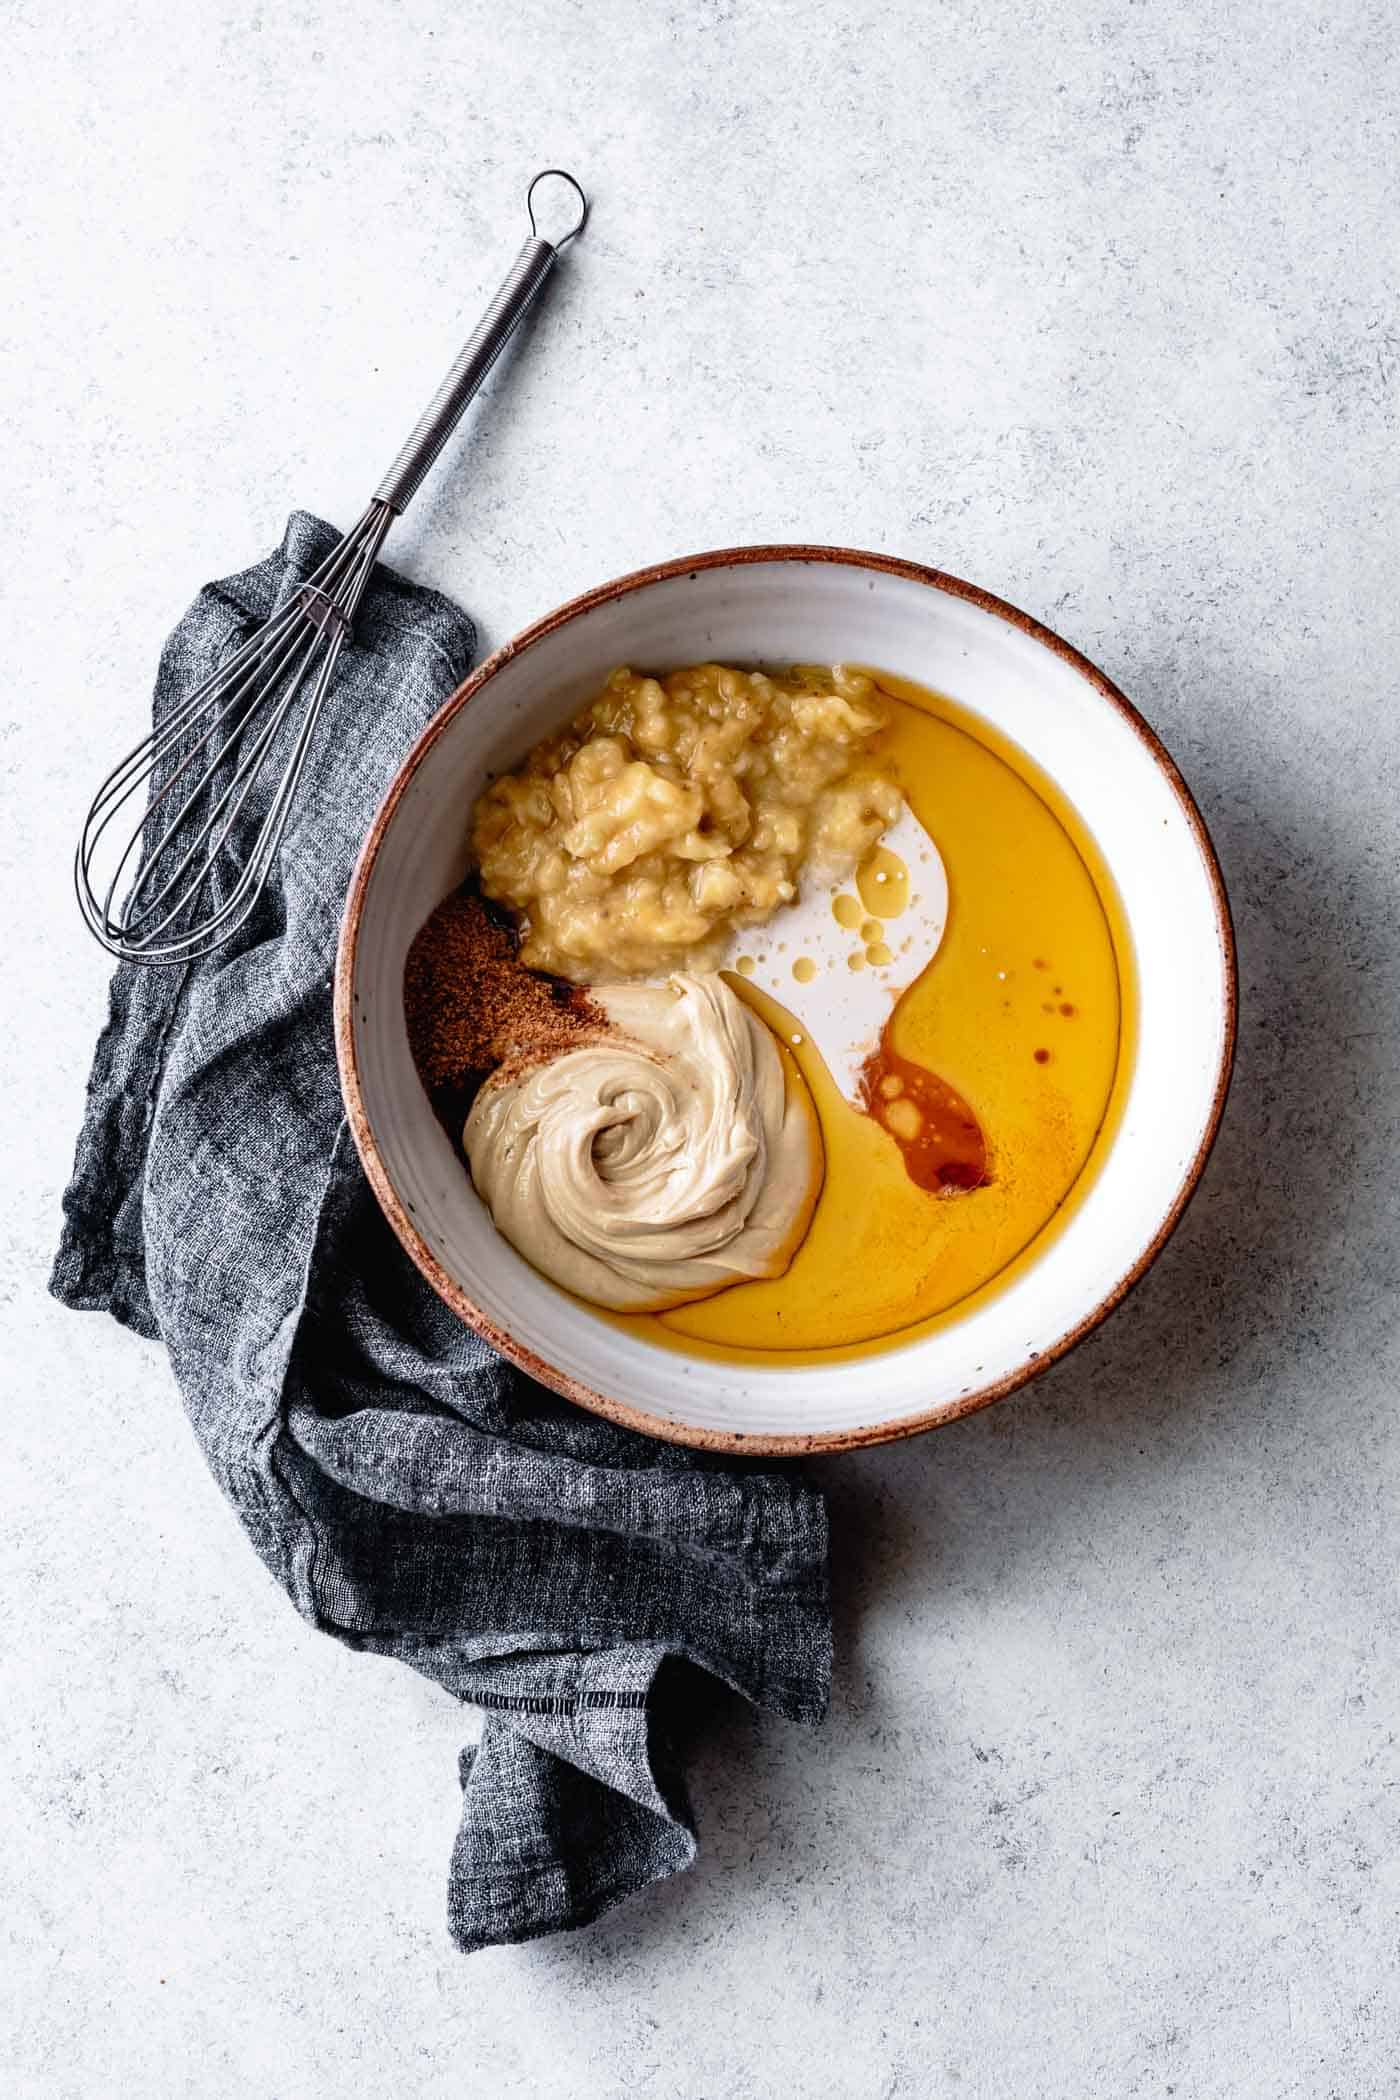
(414, 1494)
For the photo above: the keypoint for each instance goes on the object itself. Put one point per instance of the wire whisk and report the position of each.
(191, 872)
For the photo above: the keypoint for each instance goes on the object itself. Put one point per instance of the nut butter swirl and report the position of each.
(659, 1163)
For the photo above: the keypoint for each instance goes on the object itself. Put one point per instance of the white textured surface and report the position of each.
(1094, 304)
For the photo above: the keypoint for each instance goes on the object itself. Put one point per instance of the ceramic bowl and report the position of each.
(813, 604)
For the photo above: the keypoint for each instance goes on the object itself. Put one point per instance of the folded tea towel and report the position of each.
(414, 1494)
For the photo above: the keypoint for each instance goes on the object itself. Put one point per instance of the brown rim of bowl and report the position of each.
(614, 1408)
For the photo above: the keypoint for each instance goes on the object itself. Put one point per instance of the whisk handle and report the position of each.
(527, 279)
(483, 346)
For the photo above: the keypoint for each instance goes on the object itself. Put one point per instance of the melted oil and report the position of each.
(883, 882)
(1031, 909)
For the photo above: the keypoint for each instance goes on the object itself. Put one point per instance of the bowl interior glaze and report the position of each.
(810, 604)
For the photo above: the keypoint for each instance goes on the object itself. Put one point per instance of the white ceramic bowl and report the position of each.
(813, 604)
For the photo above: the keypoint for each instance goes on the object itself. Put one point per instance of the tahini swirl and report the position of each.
(657, 1164)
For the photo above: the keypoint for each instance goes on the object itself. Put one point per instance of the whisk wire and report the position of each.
(280, 656)
(288, 671)
(228, 685)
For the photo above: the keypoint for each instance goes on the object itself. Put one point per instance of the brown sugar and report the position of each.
(471, 1005)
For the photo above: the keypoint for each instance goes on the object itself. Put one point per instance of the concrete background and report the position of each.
(1093, 303)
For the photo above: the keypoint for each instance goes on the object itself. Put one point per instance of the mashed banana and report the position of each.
(659, 1163)
(673, 810)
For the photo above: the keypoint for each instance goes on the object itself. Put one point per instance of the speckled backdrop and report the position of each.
(1093, 303)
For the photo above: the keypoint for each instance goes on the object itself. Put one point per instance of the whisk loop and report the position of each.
(192, 870)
